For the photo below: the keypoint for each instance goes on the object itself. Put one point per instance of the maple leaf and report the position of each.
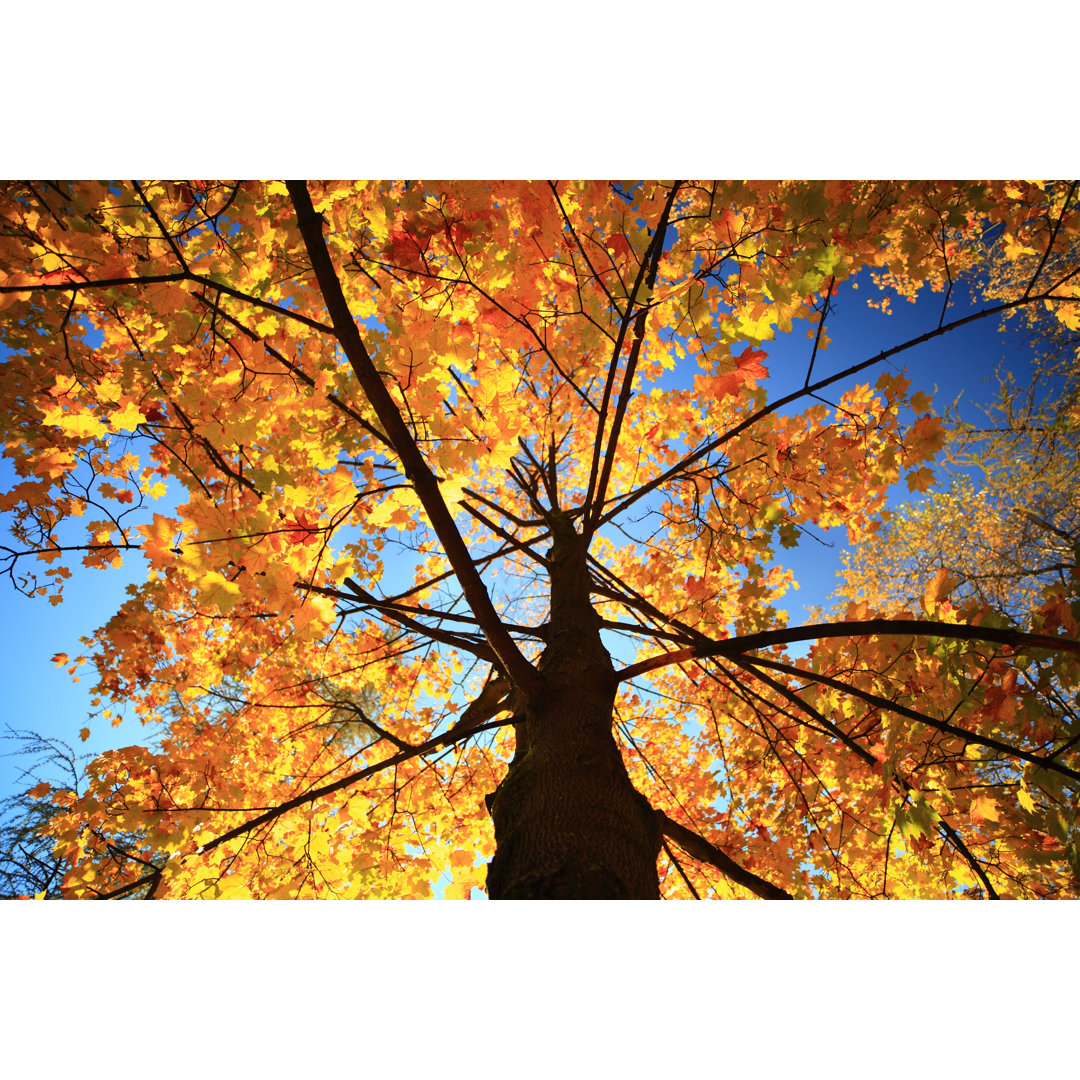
(939, 588)
(219, 592)
(983, 809)
(618, 244)
(750, 367)
(75, 423)
(302, 532)
(127, 419)
(919, 479)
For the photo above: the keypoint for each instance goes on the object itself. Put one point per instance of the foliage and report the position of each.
(457, 442)
(28, 865)
(1005, 533)
(1007, 526)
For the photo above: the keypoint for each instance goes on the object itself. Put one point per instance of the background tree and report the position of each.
(544, 403)
(1005, 530)
(1005, 526)
(28, 864)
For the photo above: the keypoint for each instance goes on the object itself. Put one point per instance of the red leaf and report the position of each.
(618, 244)
(749, 364)
(58, 277)
(302, 531)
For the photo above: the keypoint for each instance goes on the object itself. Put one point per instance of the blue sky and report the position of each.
(42, 697)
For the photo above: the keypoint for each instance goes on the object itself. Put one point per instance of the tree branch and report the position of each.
(416, 468)
(699, 848)
(912, 714)
(594, 501)
(446, 739)
(714, 444)
(959, 631)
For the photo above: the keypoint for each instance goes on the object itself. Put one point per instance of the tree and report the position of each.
(1007, 526)
(1004, 533)
(454, 442)
(1008, 523)
(28, 864)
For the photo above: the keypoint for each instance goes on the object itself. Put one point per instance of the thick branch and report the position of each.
(394, 612)
(594, 501)
(946, 830)
(416, 468)
(960, 631)
(161, 279)
(700, 848)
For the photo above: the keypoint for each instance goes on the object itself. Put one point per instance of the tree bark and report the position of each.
(569, 824)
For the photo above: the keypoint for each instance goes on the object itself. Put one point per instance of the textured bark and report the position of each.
(569, 824)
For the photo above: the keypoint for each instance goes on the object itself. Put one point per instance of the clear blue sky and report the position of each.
(42, 697)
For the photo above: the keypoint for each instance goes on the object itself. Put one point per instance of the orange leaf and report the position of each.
(750, 366)
(983, 809)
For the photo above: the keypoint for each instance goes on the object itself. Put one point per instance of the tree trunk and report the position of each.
(569, 824)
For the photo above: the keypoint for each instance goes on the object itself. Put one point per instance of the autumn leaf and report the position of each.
(618, 244)
(750, 367)
(76, 423)
(983, 809)
(219, 592)
(302, 532)
(939, 589)
(127, 419)
(919, 479)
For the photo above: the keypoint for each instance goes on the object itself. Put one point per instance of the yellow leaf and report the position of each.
(319, 846)
(311, 618)
(53, 463)
(76, 424)
(126, 419)
(218, 591)
(939, 588)
(357, 809)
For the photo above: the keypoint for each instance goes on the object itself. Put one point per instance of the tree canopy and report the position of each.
(459, 503)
